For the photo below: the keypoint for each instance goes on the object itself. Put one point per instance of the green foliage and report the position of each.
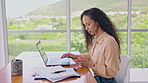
(17, 46)
(77, 42)
(140, 21)
(119, 21)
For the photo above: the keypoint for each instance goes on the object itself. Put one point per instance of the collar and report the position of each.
(101, 37)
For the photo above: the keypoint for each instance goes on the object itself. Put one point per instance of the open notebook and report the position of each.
(53, 74)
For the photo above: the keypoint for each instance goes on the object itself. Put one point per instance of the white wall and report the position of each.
(3, 36)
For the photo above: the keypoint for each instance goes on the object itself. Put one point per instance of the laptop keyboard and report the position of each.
(54, 60)
(59, 61)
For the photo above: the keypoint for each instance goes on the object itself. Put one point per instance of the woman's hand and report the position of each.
(69, 55)
(84, 61)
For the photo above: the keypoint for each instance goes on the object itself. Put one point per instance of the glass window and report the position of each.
(139, 49)
(27, 23)
(139, 38)
(115, 9)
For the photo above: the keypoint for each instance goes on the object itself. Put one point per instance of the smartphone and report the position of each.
(69, 56)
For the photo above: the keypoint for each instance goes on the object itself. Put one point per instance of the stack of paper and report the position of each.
(55, 73)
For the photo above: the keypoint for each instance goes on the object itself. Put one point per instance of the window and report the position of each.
(139, 49)
(115, 9)
(27, 23)
(46, 20)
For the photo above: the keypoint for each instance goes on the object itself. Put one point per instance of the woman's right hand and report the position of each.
(69, 55)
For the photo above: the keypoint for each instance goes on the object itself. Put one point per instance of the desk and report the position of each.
(33, 59)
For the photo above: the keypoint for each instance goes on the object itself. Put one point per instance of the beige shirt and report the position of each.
(105, 56)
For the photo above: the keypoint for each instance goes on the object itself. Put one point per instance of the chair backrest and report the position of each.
(125, 61)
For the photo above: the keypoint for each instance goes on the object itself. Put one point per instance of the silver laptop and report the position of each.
(52, 61)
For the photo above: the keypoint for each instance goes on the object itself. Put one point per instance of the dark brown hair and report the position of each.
(104, 22)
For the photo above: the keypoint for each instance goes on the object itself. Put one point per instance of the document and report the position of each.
(55, 73)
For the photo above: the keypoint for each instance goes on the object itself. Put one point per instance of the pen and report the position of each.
(59, 71)
(38, 78)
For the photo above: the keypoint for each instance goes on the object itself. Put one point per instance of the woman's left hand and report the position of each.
(83, 61)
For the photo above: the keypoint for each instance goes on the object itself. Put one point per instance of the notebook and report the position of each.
(49, 73)
(52, 60)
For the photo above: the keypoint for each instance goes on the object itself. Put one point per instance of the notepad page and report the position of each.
(47, 72)
(47, 69)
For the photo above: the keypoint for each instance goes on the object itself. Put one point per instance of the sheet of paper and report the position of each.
(47, 72)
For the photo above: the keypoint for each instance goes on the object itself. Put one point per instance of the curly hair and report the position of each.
(104, 22)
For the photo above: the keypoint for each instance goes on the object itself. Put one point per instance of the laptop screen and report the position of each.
(42, 51)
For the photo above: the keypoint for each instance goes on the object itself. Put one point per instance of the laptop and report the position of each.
(52, 60)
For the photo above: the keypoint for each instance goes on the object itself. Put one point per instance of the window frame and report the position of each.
(3, 35)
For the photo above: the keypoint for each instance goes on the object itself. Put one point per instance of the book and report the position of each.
(55, 73)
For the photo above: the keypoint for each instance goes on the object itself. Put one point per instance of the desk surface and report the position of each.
(33, 59)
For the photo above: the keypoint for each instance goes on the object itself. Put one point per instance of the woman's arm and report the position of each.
(69, 55)
(84, 60)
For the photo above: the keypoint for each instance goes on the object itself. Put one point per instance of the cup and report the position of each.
(16, 67)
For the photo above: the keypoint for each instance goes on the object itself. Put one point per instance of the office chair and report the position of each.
(125, 61)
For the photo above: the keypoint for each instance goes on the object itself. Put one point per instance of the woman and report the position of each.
(101, 37)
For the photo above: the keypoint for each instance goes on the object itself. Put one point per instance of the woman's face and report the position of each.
(90, 25)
